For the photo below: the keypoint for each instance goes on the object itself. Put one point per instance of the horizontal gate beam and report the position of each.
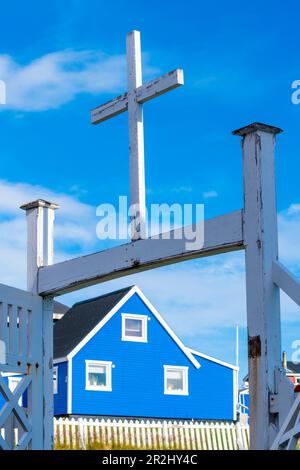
(284, 279)
(221, 234)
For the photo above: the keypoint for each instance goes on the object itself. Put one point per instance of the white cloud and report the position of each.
(56, 78)
(74, 228)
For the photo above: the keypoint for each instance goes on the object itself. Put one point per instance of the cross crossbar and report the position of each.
(144, 93)
(284, 279)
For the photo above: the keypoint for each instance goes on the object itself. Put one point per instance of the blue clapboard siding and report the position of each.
(60, 399)
(138, 376)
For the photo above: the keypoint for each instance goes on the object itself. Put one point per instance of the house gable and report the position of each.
(137, 369)
(127, 295)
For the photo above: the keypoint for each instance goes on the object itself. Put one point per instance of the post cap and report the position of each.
(39, 203)
(257, 126)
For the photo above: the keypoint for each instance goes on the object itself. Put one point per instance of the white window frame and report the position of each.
(98, 388)
(143, 319)
(185, 390)
(55, 388)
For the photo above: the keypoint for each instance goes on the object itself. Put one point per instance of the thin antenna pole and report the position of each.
(237, 345)
(237, 362)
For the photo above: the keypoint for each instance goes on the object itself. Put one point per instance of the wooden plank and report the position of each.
(221, 234)
(136, 136)
(143, 93)
(289, 283)
(203, 437)
(109, 109)
(4, 333)
(263, 303)
(143, 434)
(159, 86)
(208, 434)
(219, 437)
(149, 435)
(176, 435)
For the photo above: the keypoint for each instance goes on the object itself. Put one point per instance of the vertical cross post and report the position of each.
(263, 302)
(136, 136)
(40, 223)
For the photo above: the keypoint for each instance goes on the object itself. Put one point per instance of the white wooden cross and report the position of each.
(132, 101)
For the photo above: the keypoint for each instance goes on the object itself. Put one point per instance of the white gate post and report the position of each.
(263, 301)
(40, 222)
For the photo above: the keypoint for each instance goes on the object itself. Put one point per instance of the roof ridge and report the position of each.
(124, 289)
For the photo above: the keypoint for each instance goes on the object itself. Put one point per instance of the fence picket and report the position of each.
(73, 433)
(169, 431)
(197, 434)
(131, 432)
(141, 434)
(219, 440)
(176, 432)
(223, 437)
(126, 433)
(229, 437)
(160, 436)
(208, 436)
(61, 432)
(203, 437)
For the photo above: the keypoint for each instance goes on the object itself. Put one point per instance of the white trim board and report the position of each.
(60, 360)
(69, 387)
(130, 293)
(213, 359)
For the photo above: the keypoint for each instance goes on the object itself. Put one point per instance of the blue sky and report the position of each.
(61, 59)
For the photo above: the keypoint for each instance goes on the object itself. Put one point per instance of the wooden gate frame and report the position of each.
(253, 229)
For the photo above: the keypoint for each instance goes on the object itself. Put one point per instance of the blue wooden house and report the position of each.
(115, 355)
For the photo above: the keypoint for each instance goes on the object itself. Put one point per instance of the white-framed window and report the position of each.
(134, 327)
(297, 380)
(55, 380)
(176, 380)
(98, 376)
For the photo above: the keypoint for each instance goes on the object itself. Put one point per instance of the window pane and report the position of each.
(55, 380)
(175, 379)
(97, 375)
(133, 327)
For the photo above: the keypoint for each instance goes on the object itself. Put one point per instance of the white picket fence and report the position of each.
(88, 433)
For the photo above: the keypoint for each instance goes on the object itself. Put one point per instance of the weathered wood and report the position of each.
(40, 221)
(263, 304)
(24, 355)
(110, 109)
(284, 279)
(221, 234)
(159, 86)
(40, 225)
(136, 137)
(143, 93)
(132, 102)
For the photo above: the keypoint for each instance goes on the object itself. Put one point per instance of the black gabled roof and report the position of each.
(293, 367)
(60, 308)
(80, 319)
